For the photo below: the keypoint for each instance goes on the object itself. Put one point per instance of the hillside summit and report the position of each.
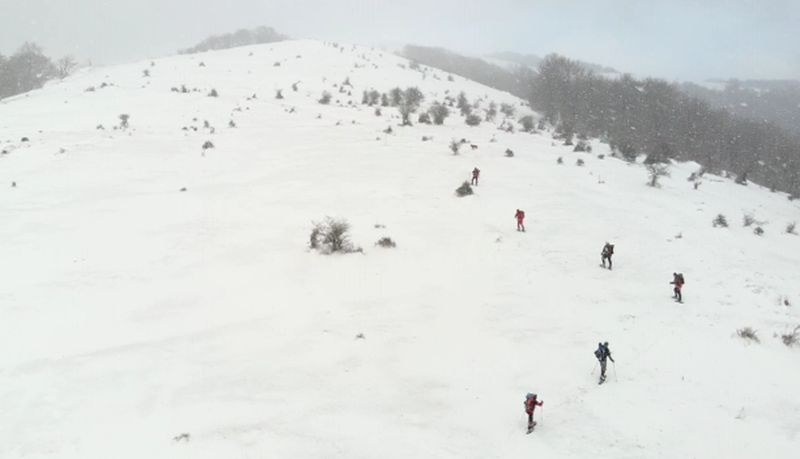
(160, 299)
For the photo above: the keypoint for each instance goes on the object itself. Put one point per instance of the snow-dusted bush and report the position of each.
(748, 334)
(455, 146)
(386, 242)
(582, 146)
(791, 227)
(491, 112)
(123, 122)
(378, 111)
(758, 231)
(748, 220)
(473, 120)
(213, 93)
(326, 98)
(231, 124)
(438, 113)
(509, 153)
(332, 236)
(207, 145)
(579, 162)
(424, 118)
(720, 221)
(279, 94)
(791, 339)
(560, 160)
(654, 172)
(409, 102)
(507, 109)
(464, 190)
(527, 123)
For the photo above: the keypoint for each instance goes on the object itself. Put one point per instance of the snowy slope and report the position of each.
(134, 312)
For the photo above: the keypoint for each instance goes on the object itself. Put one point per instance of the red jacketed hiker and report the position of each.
(530, 405)
(520, 216)
(475, 173)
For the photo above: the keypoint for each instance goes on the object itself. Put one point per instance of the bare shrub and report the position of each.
(655, 171)
(748, 220)
(790, 228)
(748, 333)
(527, 123)
(123, 121)
(507, 109)
(439, 112)
(454, 146)
(473, 120)
(579, 162)
(720, 221)
(560, 160)
(331, 236)
(326, 98)
(464, 190)
(279, 94)
(386, 242)
(758, 231)
(509, 153)
(213, 93)
(791, 339)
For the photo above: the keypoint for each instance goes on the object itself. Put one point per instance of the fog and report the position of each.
(677, 40)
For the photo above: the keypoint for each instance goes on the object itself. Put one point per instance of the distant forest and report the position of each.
(640, 117)
(241, 37)
(777, 101)
(28, 69)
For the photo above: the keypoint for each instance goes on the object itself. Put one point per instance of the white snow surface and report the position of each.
(133, 312)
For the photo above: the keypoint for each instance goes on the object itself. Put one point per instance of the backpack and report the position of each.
(521, 214)
(598, 353)
(680, 278)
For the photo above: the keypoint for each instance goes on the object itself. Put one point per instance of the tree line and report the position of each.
(242, 37)
(639, 117)
(28, 69)
(655, 118)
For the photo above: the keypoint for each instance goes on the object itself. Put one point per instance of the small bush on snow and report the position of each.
(748, 220)
(527, 123)
(454, 146)
(791, 339)
(790, 228)
(758, 231)
(720, 221)
(213, 93)
(464, 190)
(473, 120)
(326, 98)
(748, 334)
(332, 236)
(386, 242)
(655, 172)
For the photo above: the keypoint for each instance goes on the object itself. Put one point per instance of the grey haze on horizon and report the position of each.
(676, 40)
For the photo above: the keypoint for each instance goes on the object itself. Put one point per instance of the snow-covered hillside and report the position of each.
(134, 312)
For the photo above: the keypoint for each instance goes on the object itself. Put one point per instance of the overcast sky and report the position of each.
(673, 39)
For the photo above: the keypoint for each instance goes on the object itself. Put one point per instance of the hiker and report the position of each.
(530, 405)
(520, 216)
(608, 250)
(602, 353)
(677, 281)
(475, 173)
